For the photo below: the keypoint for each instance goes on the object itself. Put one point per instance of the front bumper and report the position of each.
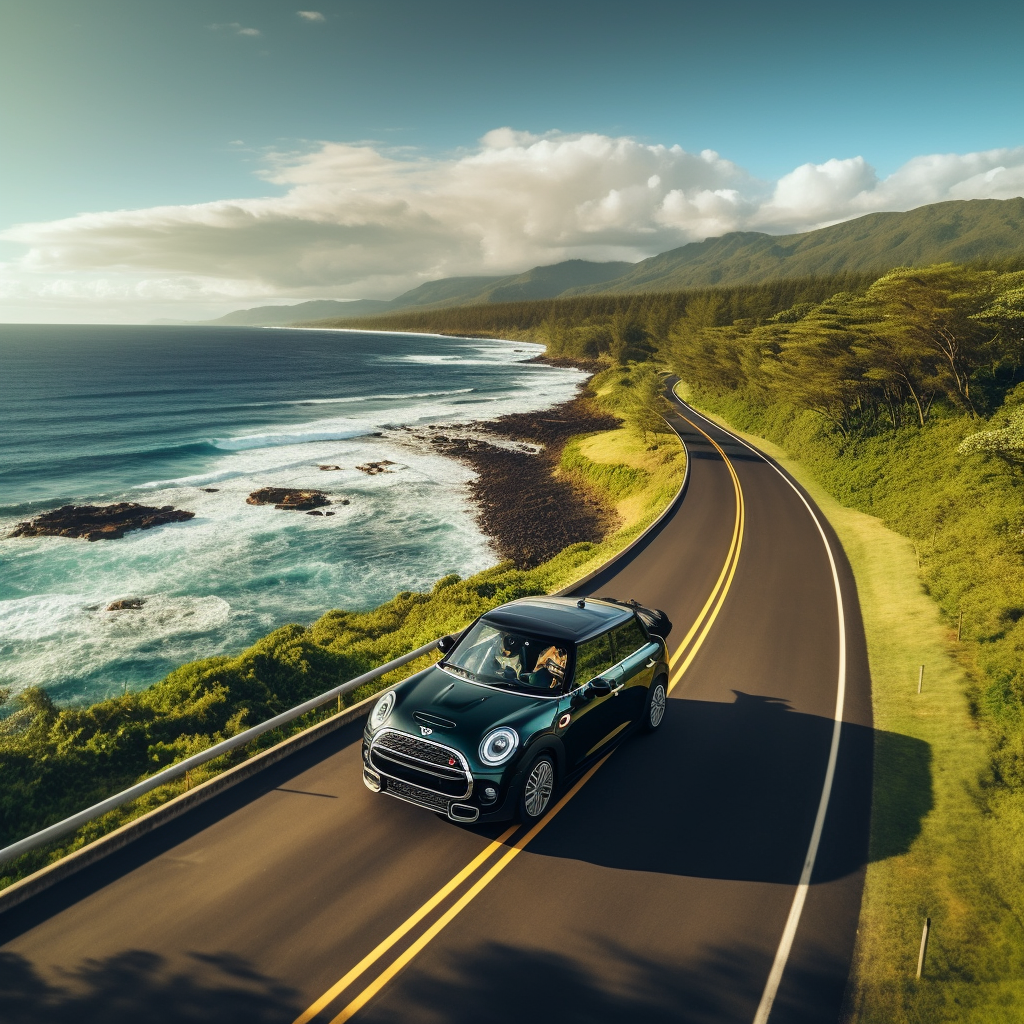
(465, 810)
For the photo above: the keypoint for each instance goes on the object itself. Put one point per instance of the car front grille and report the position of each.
(418, 796)
(423, 763)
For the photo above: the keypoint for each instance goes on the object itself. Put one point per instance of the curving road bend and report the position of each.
(666, 887)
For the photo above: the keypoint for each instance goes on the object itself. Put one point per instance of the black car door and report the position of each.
(596, 719)
(635, 656)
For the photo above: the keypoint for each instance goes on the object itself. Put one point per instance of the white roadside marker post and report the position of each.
(920, 679)
(924, 946)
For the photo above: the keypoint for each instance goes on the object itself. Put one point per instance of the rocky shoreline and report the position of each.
(529, 513)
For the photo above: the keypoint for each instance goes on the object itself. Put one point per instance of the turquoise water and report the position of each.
(156, 414)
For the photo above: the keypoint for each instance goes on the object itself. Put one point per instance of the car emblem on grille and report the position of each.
(451, 760)
(424, 731)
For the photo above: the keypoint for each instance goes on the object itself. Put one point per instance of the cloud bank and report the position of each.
(360, 220)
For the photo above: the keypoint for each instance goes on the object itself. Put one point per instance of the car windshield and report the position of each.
(516, 661)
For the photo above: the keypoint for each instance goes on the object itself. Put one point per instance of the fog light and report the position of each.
(488, 795)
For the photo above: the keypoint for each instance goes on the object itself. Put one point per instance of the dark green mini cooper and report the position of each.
(523, 699)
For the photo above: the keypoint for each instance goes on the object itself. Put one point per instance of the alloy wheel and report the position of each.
(539, 786)
(657, 710)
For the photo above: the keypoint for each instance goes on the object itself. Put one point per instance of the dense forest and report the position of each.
(620, 326)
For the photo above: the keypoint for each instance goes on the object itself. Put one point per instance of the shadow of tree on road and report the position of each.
(139, 986)
(502, 984)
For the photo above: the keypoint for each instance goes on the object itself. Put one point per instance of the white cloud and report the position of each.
(237, 28)
(311, 15)
(358, 220)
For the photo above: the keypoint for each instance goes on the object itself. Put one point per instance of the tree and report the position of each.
(933, 310)
(1006, 444)
(813, 361)
(646, 400)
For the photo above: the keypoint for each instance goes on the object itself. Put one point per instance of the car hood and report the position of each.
(472, 710)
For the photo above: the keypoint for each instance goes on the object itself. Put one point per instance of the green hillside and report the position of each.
(955, 232)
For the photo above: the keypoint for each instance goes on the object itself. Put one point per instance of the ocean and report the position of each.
(99, 414)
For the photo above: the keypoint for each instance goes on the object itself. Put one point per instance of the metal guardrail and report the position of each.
(76, 821)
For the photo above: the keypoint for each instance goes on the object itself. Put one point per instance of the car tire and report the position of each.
(657, 701)
(538, 789)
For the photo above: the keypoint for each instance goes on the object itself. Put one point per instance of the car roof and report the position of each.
(559, 617)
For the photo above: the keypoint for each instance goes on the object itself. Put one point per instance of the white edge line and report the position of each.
(771, 988)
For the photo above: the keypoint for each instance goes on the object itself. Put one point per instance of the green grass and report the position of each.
(964, 868)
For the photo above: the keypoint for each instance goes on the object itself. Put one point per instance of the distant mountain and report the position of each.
(278, 316)
(957, 232)
(538, 283)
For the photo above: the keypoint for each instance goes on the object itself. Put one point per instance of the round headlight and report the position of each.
(381, 710)
(498, 746)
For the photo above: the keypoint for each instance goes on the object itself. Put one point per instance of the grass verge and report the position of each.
(967, 861)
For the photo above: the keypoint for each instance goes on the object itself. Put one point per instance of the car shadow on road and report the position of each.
(731, 791)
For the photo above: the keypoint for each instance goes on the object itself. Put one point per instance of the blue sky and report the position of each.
(114, 105)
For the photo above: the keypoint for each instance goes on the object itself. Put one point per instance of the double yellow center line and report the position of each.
(678, 664)
(687, 650)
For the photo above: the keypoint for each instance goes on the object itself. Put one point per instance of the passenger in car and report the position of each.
(549, 669)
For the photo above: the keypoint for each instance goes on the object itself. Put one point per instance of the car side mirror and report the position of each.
(600, 687)
(445, 644)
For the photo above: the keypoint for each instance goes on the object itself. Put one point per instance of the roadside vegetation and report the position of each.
(55, 760)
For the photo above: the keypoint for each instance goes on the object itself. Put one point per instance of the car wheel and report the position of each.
(538, 789)
(657, 699)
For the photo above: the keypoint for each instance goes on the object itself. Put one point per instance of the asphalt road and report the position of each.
(660, 891)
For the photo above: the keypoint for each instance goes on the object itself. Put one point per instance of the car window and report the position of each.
(627, 639)
(593, 658)
(515, 661)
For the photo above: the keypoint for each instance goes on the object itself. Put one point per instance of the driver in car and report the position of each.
(509, 656)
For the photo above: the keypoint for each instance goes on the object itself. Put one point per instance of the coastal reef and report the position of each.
(373, 468)
(284, 498)
(126, 604)
(100, 522)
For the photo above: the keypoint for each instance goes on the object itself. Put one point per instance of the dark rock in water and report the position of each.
(328, 469)
(314, 512)
(344, 501)
(100, 522)
(210, 490)
(331, 513)
(376, 433)
(373, 468)
(285, 498)
(126, 604)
